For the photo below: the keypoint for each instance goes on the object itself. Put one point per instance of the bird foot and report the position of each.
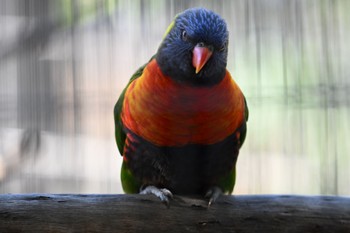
(213, 194)
(163, 194)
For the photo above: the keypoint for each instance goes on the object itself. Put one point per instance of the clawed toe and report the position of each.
(213, 194)
(163, 194)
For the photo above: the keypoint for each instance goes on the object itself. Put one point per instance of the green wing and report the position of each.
(246, 116)
(119, 133)
(129, 183)
(227, 183)
(246, 113)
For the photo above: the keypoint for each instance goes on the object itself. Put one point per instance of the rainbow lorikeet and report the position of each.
(181, 120)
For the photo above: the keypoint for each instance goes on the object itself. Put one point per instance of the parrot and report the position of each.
(182, 119)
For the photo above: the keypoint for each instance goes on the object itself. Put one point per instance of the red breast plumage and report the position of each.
(168, 113)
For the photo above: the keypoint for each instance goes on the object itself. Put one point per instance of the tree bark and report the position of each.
(143, 213)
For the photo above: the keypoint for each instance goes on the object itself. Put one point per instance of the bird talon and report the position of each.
(163, 194)
(167, 193)
(213, 194)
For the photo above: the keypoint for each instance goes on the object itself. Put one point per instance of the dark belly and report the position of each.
(190, 169)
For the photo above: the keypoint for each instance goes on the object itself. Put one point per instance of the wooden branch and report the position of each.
(141, 213)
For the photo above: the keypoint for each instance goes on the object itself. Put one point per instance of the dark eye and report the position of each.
(184, 35)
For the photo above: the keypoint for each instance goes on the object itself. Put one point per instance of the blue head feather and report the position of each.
(174, 55)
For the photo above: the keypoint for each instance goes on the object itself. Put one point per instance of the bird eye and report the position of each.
(184, 35)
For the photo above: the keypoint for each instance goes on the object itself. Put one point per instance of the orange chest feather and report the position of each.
(171, 114)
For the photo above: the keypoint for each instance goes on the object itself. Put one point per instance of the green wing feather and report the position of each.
(129, 183)
(246, 116)
(246, 113)
(227, 183)
(120, 136)
(119, 133)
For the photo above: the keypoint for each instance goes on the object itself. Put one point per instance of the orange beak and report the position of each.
(201, 55)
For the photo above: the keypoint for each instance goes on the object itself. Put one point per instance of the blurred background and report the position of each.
(64, 63)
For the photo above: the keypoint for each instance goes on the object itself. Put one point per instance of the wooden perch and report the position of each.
(141, 213)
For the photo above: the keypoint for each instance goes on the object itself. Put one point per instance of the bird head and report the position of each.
(194, 48)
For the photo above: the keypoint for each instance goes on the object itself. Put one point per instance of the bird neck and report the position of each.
(181, 73)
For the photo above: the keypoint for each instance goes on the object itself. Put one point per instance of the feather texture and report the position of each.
(167, 113)
(177, 128)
